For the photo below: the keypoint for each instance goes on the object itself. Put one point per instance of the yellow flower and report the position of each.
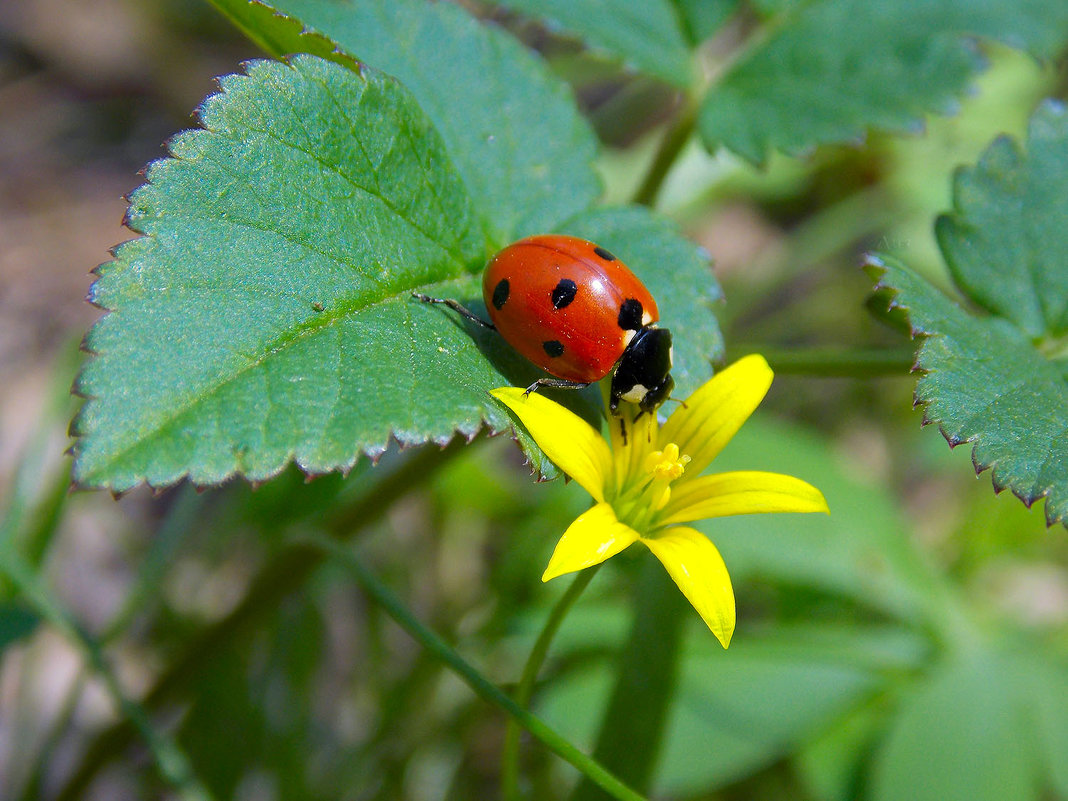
(649, 482)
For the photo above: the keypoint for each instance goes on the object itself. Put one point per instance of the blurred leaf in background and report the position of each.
(186, 644)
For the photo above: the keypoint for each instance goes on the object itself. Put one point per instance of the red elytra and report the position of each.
(566, 304)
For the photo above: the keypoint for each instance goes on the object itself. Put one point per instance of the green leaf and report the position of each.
(16, 622)
(702, 18)
(1000, 381)
(962, 735)
(265, 314)
(1006, 241)
(831, 69)
(678, 274)
(644, 34)
(830, 765)
(983, 382)
(768, 8)
(738, 711)
(857, 551)
(510, 127)
(768, 696)
(1047, 685)
(278, 34)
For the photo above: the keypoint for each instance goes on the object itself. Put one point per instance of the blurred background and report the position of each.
(272, 673)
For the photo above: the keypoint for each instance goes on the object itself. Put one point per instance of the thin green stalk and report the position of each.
(42, 523)
(180, 520)
(523, 693)
(285, 573)
(33, 788)
(485, 689)
(675, 138)
(29, 507)
(833, 362)
(171, 761)
(636, 717)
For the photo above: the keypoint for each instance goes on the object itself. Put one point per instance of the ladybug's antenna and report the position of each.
(679, 401)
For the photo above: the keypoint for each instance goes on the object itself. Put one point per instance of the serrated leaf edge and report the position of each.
(875, 265)
(556, 26)
(334, 50)
(373, 452)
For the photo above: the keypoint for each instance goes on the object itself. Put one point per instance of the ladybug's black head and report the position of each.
(643, 373)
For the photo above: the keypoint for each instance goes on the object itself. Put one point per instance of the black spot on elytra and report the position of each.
(604, 254)
(630, 315)
(553, 347)
(564, 293)
(500, 293)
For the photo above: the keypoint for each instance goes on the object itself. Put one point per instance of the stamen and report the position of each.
(666, 465)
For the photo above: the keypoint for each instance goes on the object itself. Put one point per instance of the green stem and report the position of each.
(675, 138)
(636, 716)
(284, 574)
(180, 520)
(35, 498)
(58, 728)
(681, 129)
(523, 693)
(486, 690)
(171, 761)
(834, 362)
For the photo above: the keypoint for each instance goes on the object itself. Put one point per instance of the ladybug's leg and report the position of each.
(555, 383)
(452, 304)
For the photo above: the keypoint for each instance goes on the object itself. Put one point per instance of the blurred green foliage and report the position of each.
(914, 645)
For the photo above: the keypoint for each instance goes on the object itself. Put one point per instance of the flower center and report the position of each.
(648, 487)
(667, 464)
(662, 467)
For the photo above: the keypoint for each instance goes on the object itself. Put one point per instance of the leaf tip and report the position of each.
(375, 452)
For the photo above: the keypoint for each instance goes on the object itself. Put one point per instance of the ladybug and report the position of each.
(579, 313)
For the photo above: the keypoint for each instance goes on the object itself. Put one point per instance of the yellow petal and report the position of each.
(697, 568)
(595, 536)
(629, 450)
(717, 410)
(741, 493)
(572, 443)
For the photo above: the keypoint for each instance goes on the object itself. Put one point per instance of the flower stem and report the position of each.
(523, 693)
(636, 716)
(384, 597)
